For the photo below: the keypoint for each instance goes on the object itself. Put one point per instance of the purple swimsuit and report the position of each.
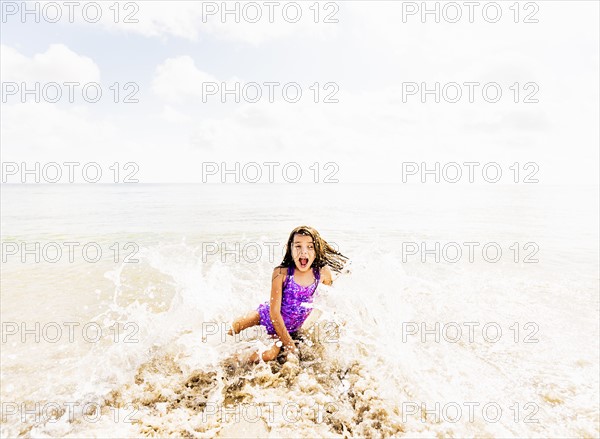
(293, 300)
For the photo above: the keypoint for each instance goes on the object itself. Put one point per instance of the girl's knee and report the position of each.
(235, 327)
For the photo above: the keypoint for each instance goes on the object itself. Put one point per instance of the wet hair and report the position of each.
(325, 254)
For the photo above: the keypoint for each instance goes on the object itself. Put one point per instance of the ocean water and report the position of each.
(130, 341)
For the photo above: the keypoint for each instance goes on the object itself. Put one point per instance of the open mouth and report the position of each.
(303, 262)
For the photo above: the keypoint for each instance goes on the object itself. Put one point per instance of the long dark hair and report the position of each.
(325, 254)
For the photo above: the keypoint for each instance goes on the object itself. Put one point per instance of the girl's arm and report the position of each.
(275, 309)
(326, 275)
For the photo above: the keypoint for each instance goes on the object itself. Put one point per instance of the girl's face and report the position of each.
(303, 251)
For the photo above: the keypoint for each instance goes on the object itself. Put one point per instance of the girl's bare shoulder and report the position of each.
(278, 272)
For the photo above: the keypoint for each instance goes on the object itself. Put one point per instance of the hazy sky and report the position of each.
(368, 58)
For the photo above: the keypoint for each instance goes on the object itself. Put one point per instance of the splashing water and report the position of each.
(164, 366)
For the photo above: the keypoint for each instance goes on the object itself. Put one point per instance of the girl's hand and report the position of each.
(290, 349)
(291, 355)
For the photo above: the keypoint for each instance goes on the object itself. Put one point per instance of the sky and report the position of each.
(368, 61)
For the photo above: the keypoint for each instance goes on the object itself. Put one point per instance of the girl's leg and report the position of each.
(250, 319)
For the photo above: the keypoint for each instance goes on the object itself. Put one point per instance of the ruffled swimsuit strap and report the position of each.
(290, 276)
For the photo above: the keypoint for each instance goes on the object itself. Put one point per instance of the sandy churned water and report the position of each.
(314, 397)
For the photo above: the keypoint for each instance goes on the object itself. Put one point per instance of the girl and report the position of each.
(308, 260)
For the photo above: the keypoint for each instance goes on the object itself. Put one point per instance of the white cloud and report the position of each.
(178, 78)
(74, 133)
(159, 19)
(190, 20)
(57, 64)
(281, 27)
(48, 129)
(170, 114)
(368, 133)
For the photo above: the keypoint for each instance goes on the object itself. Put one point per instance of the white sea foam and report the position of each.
(363, 372)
